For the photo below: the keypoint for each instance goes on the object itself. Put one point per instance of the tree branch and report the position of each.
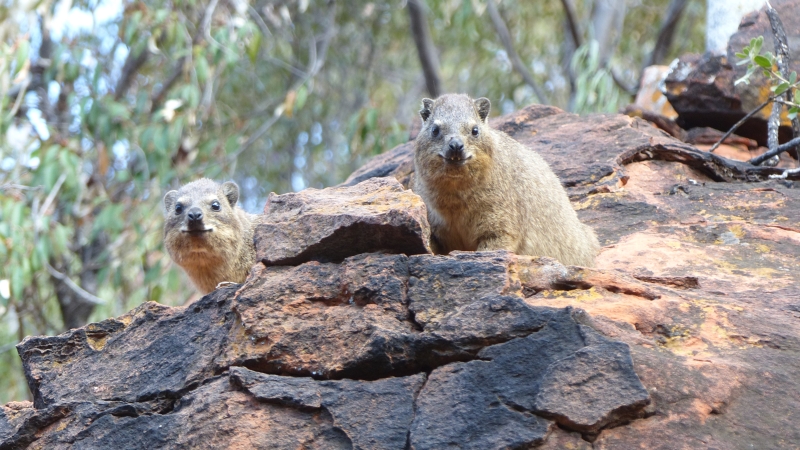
(776, 151)
(79, 291)
(667, 32)
(569, 12)
(516, 62)
(739, 123)
(201, 31)
(129, 70)
(425, 47)
(786, 174)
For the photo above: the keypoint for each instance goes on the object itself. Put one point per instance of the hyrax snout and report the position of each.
(486, 191)
(207, 234)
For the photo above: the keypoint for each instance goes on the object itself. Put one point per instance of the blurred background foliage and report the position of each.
(107, 104)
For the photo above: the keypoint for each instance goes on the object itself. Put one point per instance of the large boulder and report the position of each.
(685, 335)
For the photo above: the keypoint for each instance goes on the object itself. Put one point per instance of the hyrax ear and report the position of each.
(169, 202)
(484, 106)
(231, 192)
(425, 112)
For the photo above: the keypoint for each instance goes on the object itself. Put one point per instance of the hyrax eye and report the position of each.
(215, 205)
(475, 130)
(178, 209)
(435, 131)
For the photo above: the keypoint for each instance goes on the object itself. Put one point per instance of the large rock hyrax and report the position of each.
(486, 191)
(207, 234)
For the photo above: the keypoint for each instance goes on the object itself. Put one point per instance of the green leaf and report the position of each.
(741, 55)
(161, 14)
(759, 41)
(746, 78)
(793, 113)
(780, 89)
(300, 98)
(118, 111)
(793, 78)
(155, 293)
(15, 218)
(201, 68)
(253, 46)
(17, 282)
(22, 55)
(59, 239)
(762, 61)
(372, 119)
(42, 250)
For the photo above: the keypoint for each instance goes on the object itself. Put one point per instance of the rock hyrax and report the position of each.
(207, 234)
(486, 191)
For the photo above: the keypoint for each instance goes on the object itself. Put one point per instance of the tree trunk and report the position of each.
(425, 47)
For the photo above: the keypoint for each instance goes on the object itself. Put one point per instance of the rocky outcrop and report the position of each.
(685, 336)
(701, 87)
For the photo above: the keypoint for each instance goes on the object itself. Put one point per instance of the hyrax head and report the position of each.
(452, 134)
(200, 217)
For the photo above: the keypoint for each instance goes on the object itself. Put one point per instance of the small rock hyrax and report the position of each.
(486, 191)
(207, 234)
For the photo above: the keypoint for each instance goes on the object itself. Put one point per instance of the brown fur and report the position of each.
(224, 251)
(503, 195)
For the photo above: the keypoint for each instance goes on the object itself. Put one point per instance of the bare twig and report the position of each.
(259, 21)
(740, 122)
(505, 39)
(776, 151)
(83, 294)
(786, 173)
(18, 187)
(53, 192)
(20, 95)
(425, 47)
(255, 136)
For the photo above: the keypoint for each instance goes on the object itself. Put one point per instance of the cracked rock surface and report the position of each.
(680, 338)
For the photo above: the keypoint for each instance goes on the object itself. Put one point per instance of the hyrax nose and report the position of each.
(455, 149)
(195, 214)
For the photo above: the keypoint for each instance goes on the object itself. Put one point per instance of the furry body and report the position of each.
(486, 191)
(207, 234)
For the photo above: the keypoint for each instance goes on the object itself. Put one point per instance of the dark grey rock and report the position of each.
(373, 414)
(152, 351)
(566, 372)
